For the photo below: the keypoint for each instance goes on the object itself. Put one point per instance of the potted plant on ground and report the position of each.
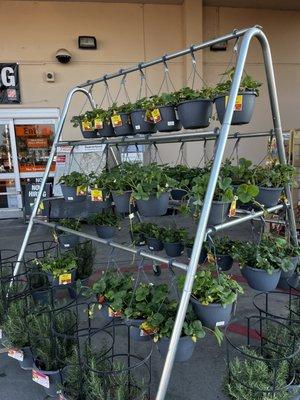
(59, 270)
(213, 297)
(164, 114)
(189, 243)
(174, 239)
(141, 116)
(195, 107)
(271, 180)
(106, 223)
(74, 186)
(245, 101)
(137, 233)
(221, 249)
(120, 119)
(68, 240)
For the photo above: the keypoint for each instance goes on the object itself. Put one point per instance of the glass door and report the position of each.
(10, 187)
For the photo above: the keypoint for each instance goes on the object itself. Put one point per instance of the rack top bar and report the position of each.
(235, 34)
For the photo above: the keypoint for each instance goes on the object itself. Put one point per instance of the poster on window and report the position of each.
(9, 84)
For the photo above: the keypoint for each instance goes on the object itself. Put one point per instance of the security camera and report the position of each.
(63, 56)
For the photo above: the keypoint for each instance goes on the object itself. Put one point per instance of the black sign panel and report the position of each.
(9, 84)
(31, 191)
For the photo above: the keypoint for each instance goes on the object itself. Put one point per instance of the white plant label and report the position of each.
(137, 127)
(220, 323)
(171, 123)
(70, 198)
(40, 378)
(131, 216)
(151, 248)
(1, 334)
(67, 245)
(16, 354)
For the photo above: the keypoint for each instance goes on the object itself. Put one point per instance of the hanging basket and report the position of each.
(169, 121)
(218, 212)
(70, 194)
(185, 348)
(137, 334)
(195, 114)
(224, 262)
(126, 128)
(106, 131)
(68, 240)
(174, 249)
(154, 206)
(92, 134)
(286, 275)
(140, 123)
(178, 194)
(154, 244)
(213, 315)
(268, 197)
(243, 110)
(122, 201)
(261, 280)
(105, 231)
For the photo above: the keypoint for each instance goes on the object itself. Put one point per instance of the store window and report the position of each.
(6, 161)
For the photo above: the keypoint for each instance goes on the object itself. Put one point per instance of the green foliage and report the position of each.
(174, 235)
(90, 116)
(274, 175)
(105, 218)
(241, 173)
(222, 245)
(165, 99)
(208, 289)
(247, 192)
(145, 103)
(70, 223)
(85, 256)
(248, 84)
(57, 266)
(183, 175)
(123, 108)
(74, 179)
(187, 93)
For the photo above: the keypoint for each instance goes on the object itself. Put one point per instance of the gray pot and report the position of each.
(106, 232)
(68, 240)
(27, 362)
(136, 333)
(239, 117)
(174, 249)
(224, 262)
(178, 194)
(169, 121)
(259, 279)
(154, 244)
(184, 350)
(212, 315)
(54, 380)
(106, 131)
(122, 201)
(218, 212)
(269, 197)
(126, 128)
(154, 207)
(139, 123)
(195, 114)
(202, 257)
(285, 275)
(70, 195)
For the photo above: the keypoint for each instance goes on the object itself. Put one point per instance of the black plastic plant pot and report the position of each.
(137, 334)
(89, 134)
(154, 244)
(261, 280)
(106, 232)
(174, 249)
(224, 262)
(54, 381)
(122, 201)
(184, 350)
(68, 240)
(212, 315)
(268, 197)
(138, 239)
(178, 194)
(54, 282)
(139, 123)
(202, 257)
(154, 207)
(241, 116)
(195, 114)
(218, 212)
(286, 275)
(97, 206)
(69, 194)
(126, 128)
(27, 363)
(106, 131)
(169, 121)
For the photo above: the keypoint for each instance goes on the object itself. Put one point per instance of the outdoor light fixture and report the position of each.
(87, 42)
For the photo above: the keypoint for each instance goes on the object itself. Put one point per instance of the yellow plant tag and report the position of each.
(156, 115)
(149, 117)
(98, 123)
(210, 258)
(96, 195)
(65, 279)
(41, 206)
(87, 126)
(114, 314)
(81, 190)
(238, 102)
(116, 120)
(232, 210)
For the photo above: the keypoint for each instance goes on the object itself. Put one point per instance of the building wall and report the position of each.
(282, 29)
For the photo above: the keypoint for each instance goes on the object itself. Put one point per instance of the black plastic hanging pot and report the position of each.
(122, 201)
(137, 334)
(70, 194)
(138, 239)
(105, 231)
(55, 281)
(169, 121)
(218, 212)
(27, 363)
(106, 131)
(178, 194)
(154, 206)
(224, 262)
(68, 240)
(195, 114)
(154, 244)
(89, 134)
(185, 348)
(260, 279)
(268, 197)
(212, 315)
(54, 381)
(174, 249)
(126, 128)
(140, 123)
(286, 275)
(202, 257)
(243, 110)
(97, 206)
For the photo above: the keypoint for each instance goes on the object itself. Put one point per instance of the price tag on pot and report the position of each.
(210, 258)
(149, 117)
(171, 123)
(65, 279)
(17, 354)
(81, 190)
(98, 123)
(232, 210)
(70, 198)
(137, 127)
(116, 120)
(238, 106)
(156, 115)
(96, 195)
(40, 378)
(86, 126)
(114, 314)
(220, 323)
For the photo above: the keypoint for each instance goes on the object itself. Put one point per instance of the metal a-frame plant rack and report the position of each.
(222, 135)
